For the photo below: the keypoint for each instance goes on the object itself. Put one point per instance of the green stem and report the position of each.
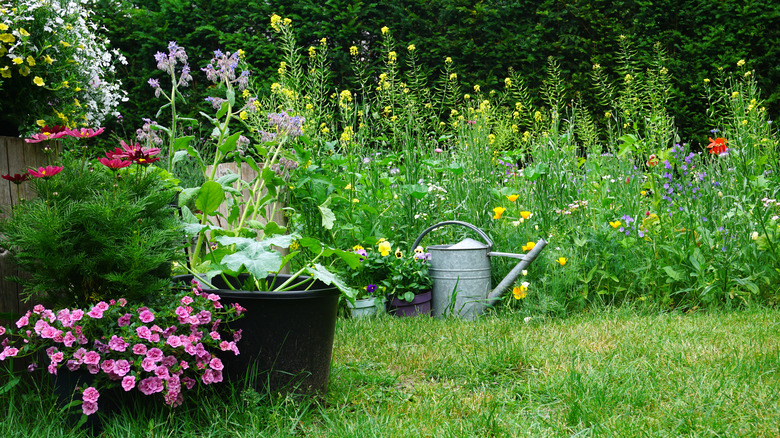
(300, 271)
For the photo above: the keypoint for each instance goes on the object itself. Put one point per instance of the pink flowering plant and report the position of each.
(164, 348)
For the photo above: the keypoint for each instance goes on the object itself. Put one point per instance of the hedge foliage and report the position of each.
(484, 38)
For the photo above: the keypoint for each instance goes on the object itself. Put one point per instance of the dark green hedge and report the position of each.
(484, 38)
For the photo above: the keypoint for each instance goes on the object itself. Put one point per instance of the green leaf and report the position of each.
(178, 156)
(182, 142)
(229, 144)
(673, 274)
(322, 274)
(223, 110)
(272, 228)
(328, 217)
(231, 97)
(210, 197)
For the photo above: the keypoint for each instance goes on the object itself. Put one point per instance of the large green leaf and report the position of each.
(210, 197)
(321, 273)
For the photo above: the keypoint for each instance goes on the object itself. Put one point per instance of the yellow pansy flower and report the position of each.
(384, 248)
(519, 292)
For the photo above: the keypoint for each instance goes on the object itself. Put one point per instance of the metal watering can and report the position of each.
(461, 273)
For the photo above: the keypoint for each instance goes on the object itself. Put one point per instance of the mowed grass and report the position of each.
(604, 373)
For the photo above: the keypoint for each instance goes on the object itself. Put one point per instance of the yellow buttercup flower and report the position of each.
(528, 246)
(497, 212)
(561, 260)
(512, 198)
(615, 224)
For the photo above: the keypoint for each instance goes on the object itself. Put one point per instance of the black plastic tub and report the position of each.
(286, 337)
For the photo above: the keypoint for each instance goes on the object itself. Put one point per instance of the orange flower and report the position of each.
(717, 146)
(525, 214)
(512, 198)
(528, 246)
(497, 212)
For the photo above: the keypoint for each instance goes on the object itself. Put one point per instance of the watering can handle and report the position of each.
(464, 224)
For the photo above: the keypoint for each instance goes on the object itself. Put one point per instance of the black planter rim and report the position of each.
(318, 288)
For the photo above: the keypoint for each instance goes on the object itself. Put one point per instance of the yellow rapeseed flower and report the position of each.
(497, 212)
(528, 246)
(512, 198)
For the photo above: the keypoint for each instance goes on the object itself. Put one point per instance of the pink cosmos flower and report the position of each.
(114, 163)
(45, 172)
(146, 317)
(15, 178)
(128, 383)
(89, 408)
(84, 132)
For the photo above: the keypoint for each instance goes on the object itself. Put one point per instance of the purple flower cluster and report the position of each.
(167, 63)
(222, 68)
(287, 124)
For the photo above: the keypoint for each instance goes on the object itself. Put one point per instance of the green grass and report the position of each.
(606, 373)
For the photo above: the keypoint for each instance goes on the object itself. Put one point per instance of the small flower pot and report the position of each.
(420, 305)
(363, 308)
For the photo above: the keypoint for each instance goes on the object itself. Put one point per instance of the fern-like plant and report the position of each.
(94, 234)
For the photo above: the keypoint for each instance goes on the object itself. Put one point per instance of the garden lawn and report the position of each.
(605, 373)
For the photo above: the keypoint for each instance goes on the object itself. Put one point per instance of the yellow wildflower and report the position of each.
(3, 26)
(38, 81)
(476, 88)
(385, 29)
(23, 32)
(353, 51)
(448, 60)
(735, 95)
(392, 57)
(740, 63)
(17, 60)
(243, 115)
(241, 53)
(491, 138)
(498, 211)
(706, 81)
(561, 260)
(64, 44)
(30, 61)
(7, 38)
(40, 123)
(355, 200)
(525, 214)
(312, 51)
(512, 198)
(615, 224)
(411, 48)
(453, 76)
(508, 82)
(519, 292)
(5, 72)
(528, 246)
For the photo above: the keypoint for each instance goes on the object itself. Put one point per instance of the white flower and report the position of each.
(754, 235)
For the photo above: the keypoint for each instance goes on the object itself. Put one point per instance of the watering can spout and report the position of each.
(525, 259)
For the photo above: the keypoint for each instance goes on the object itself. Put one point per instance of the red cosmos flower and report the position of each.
(16, 178)
(114, 163)
(84, 132)
(135, 153)
(45, 172)
(717, 146)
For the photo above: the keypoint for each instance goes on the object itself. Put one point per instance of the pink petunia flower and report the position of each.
(121, 367)
(89, 408)
(128, 383)
(146, 316)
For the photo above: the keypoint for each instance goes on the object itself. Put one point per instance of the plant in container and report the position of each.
(367, 279)
(232, 217)
(408, 284)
